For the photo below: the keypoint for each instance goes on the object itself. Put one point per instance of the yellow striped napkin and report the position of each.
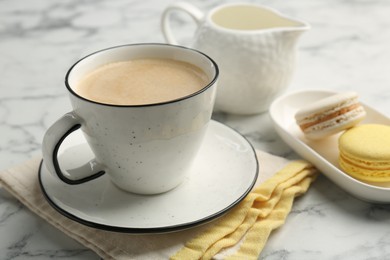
(262, 211)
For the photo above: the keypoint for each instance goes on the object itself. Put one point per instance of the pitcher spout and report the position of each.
(286, 29)
(278, 21)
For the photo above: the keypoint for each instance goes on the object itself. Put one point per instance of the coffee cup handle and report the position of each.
(191, 10)
(52, 141)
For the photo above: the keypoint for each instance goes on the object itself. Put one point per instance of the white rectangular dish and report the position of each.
(324, 153)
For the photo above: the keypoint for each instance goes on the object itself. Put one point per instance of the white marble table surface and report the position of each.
(348, 48)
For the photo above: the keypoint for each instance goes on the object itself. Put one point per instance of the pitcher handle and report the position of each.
(52, 141)
(191, 10)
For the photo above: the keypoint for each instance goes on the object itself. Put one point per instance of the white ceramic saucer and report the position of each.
(223, 173)
(324, 153)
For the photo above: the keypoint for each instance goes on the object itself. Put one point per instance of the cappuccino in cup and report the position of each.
(143, 109)
(141, 81)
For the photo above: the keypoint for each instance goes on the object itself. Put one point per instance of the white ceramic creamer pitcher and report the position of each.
(254, 47)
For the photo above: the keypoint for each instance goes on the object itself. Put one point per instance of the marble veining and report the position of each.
(346, 49)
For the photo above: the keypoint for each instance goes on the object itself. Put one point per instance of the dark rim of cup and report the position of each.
(211, 83)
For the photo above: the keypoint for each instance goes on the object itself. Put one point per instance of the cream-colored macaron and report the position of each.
(330, 115)
(365, 152)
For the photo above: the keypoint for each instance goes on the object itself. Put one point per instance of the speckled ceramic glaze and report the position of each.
(145, 148)
(254, 46)
(203, 196)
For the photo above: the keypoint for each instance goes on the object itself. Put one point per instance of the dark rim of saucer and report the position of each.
(154, 230)
(211, 83)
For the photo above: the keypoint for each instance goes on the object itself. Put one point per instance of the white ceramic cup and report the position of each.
(254, 46)
(144, 149)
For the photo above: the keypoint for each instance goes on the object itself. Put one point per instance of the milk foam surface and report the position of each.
(141, 81)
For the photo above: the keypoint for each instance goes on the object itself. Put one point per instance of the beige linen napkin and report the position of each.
(22, 182)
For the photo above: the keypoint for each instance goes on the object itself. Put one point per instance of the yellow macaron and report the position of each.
(365, 152)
